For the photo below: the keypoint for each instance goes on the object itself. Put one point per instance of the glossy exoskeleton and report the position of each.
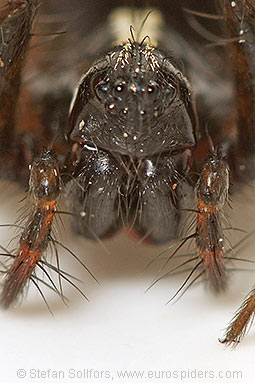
(133, 127)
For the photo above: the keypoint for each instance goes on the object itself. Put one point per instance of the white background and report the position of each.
(123, 328)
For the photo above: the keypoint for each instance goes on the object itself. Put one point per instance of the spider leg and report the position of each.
(239, 19)
(44, 189)
(212, 192)
(16, 18)
(32, 104)
(241, 320)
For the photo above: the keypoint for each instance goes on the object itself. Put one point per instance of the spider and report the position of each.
(156, 125)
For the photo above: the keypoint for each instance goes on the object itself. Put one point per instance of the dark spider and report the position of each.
(134, 150)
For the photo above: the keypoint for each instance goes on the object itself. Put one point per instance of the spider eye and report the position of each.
(119, 88)
(101, 90)
(151, 89)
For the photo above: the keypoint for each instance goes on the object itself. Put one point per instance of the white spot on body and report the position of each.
(81, 124)
(241, 33)
(150, 168)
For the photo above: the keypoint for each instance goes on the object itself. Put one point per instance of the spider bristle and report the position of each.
(238, 327)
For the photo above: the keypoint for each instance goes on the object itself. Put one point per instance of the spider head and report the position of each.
(134, 101)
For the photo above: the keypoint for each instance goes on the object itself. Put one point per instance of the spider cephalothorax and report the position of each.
(134, 101)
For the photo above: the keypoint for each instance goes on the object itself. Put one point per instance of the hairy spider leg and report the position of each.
(28, 119)
(44, 189)
(16, 18)
(240, 20)
(240, 322)
(212, 192)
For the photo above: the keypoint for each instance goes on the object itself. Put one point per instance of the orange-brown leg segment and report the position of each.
(240, 322)
(34, 240)
(212, 192)
(239, 16)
